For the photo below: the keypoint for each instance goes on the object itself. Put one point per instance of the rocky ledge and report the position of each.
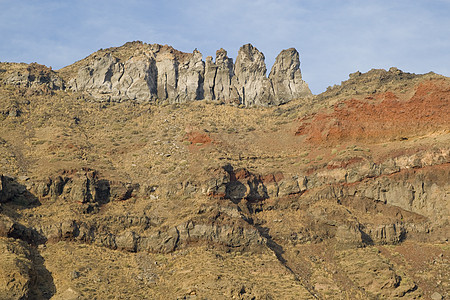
(156, 73)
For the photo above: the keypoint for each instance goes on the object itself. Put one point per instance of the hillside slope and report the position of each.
(340, 195)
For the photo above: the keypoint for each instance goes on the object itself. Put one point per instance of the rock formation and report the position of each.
(33, 76)
(286, 76)
(218, 76)
(341, 195)
(155, 72)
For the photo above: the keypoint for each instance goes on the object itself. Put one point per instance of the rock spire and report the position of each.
(143, 72)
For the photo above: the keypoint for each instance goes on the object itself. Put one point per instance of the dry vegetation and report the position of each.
(172, 150)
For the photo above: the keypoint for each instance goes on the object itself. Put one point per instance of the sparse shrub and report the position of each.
(40, 142)
(304, 154)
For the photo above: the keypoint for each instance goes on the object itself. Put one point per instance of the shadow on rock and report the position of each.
(15, 193)
(276, 248)
(42, 285)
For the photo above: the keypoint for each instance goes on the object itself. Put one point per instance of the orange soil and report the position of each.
(382, 116)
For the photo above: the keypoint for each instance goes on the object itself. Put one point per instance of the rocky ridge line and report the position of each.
(156, 73)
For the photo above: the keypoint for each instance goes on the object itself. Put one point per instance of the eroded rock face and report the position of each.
(16, 266)
(135, 79)
(250, 85)
(286, 77)
(155, 72)
(190, 79)
(218, 76)
(84, 187)
(34, 75)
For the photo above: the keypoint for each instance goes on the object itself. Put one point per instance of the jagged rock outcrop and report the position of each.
(412, 183)
(286, 77)
(218, 76)
(250, 85)
(190, 78)
(84, 187)
(155, 72)
(17, 269)
(135, 79)
(33, 76)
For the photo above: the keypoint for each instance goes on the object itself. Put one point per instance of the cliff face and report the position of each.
(155, 72)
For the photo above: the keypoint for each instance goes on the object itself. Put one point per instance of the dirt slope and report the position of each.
(340, 196)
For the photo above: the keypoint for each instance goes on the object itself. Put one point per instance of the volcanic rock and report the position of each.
(142, 72)
(286, 77)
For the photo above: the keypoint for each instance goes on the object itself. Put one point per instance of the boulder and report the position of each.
(288, 186)
(127, 241)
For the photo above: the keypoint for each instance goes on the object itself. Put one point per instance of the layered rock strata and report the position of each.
(161, 73)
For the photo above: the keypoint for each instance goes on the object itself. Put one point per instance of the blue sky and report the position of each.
(334, 38)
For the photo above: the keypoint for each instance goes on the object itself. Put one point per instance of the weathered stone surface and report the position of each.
(210, 78)
(167, 79)
(96, 76)
(288, 186)
(2, 189)
(108, 78)
(250, 84)
(286, 77)
(35, 75)
(225, 71)
(218, 77)
(85, 187)
(138, 80)
(127, 241)
(155, 72)
(190, 79)
(16, 270)
(348, 236)
(8, 189)
(436, 296)
(376, 276)
(231, 235)
(386, 233)
(161, 241)
(419, 193)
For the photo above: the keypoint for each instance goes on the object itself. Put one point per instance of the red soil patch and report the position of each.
(196, 138)
(382, 116)
(246, 175)
(276, 177)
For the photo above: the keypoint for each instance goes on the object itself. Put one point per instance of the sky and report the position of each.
(334, 38)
